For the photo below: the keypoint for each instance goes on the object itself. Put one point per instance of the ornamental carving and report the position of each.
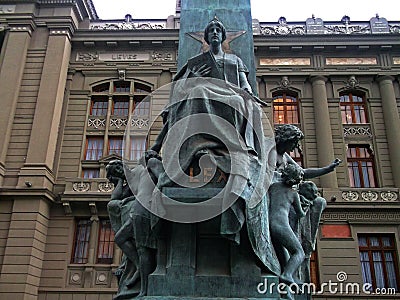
(96, 123)
(283, 29)
(126, 26)
(357, 130)
(161, 56)
(347, 29)
(106, 187)
(394, 28)
(118, 123)
(369, 196)
(140, 123)
(87, 56)
(383, 216)
(389, 196)
(81, 187)
(350, 196)
(284, 83)
(352, 82)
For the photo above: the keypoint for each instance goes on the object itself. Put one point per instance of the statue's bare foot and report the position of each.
(131, 282)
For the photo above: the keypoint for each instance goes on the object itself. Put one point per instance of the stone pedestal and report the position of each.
(196, 262)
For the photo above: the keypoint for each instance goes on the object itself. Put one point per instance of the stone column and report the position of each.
(16, 46)
(39, 164)
(323, 130)
(392, 124)
(25, 249)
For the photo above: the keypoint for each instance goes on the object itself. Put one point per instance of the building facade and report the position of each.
(71, 83)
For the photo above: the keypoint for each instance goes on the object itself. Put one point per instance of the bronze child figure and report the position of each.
(282, 198)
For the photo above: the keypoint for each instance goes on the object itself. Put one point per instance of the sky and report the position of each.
(264, 10)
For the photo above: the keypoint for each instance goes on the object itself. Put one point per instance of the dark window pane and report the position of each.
(81, 243)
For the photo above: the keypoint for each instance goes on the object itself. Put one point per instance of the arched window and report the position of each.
(285, 108)
(353, 108)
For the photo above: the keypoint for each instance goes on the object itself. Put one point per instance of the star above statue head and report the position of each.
(230, 36)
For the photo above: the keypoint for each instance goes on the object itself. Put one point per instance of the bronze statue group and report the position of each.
(273, 200)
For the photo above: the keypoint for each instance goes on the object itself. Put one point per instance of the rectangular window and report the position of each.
(94, 148)
(81, 242)
(353, 109)
(379, 263)
(141, 108)
(105, 248)
(120, 106)
(99, 107)
(138, 147)
(360, 164)
(286, 109)
(89, 173)
(115, 145)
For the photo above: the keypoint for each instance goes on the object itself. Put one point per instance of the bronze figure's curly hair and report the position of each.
(113, 170)
(287, 133)
(292, 174)
(218, 23)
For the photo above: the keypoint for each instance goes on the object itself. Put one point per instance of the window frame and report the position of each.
(285, 105)
(110, 242)
(98, 111)
(86, 242)
(138, 152)
(118, 138)
(351, 104)
(382, 250)
(359, 160)
(100, 151)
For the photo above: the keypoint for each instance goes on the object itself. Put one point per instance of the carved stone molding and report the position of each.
(369, 196)
(87, 56)
(102, 278)
(161, 56)
(127, 26)
(352, 82)
(96, 123)
(139, 122)
(283, 29)
(75, 277)
(118, 122)
(81, 187)
(106, 187)
(357, 130)
(364, 195)
(350, 196)
(121, 74)
(284, 83)
(389, 196)
(364, 216)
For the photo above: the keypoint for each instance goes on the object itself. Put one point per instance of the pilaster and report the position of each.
(323, 130)
(25, 247)
(17, 42)
(39, 165)
(392, 124)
